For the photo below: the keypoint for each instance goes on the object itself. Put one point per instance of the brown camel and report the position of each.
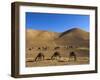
(72, 55)
(55, 56)
(39, 57)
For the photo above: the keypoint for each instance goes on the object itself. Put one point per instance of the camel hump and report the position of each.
(72, 54)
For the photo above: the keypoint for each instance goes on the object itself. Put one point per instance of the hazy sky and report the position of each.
(56, 22)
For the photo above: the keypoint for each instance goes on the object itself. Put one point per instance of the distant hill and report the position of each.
(74, 36)
(42, 35)
(76, 33)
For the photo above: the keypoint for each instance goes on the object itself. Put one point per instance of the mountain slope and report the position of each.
(42, 35)
(73, 36)
(75, 32)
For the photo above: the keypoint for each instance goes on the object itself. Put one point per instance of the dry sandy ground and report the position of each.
(73, 40)
(80, 60)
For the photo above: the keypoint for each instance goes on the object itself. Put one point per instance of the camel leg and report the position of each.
(69, 59)
(52, 58)
(36, 59)
(74, 58)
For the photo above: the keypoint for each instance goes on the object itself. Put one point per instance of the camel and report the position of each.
(72, 55)
(56, 48)
(55, 56)
(39, 57)
(44, 48)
